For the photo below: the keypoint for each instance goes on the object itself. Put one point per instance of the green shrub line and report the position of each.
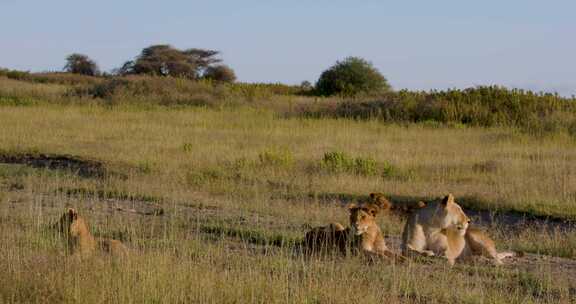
(483, 106)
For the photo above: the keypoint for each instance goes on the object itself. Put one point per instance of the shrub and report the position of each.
(337, 161)
(351, 77)
(365, 166)
(105, 89)
(220, 73)
(340, 162)
(16, 75)
(388, 170)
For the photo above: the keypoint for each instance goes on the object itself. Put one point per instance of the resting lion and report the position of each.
(365, 235)
(80, 240)
(424, 232)
(474, 242)
(399, 208)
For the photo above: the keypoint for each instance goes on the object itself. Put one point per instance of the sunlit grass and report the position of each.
(222, 198)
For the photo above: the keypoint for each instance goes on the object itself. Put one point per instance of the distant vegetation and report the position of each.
(81, 64)
(352, 89)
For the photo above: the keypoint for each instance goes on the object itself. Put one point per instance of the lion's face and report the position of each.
(362, 217)
(454, 216)
(70, 225)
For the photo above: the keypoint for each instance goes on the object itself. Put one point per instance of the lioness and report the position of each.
(325, 238)
(424, 232)
(80, 240)
(473, 242)
(365, 234)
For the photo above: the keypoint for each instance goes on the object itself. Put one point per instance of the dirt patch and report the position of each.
(80, 166)
(518, 221)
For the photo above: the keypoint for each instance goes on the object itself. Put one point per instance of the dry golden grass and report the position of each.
(214, 202)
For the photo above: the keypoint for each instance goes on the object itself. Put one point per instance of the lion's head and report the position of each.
(70, 224)
(362, 217)
(452, 215)
(381, 201)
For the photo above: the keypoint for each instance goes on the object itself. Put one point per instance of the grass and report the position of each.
(239, 186)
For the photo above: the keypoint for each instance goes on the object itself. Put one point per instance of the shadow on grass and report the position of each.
(252, 236)
(80, 166)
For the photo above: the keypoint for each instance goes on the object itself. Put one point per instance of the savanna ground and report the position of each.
(213, 202)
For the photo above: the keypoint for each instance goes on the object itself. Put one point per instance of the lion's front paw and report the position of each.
(428, 253)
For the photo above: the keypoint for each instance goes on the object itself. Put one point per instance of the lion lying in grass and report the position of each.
(398, 208)
(80, 240)
(363, 235)
(442, 229)
(366, 236)
(474, 242)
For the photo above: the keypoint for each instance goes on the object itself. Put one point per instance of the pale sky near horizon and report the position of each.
(415, 44)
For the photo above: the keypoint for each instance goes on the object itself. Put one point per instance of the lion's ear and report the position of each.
(371, 209)
(72, 214)
(372, 195)
(448, 199)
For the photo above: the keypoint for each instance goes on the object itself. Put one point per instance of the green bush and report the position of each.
(388, 170)
(365, 166)
(351, 77)
(340, 162)
(337, 162)
(16, 75)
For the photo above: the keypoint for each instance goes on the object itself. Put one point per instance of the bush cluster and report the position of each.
(340, 162)
(486, 106)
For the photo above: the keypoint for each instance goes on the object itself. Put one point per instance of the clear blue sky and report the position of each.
(415, 44)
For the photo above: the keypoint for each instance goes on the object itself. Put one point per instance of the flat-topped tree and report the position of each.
(165, 60)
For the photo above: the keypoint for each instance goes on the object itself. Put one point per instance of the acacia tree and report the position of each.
(351, 76)
(165, 60)
(81, 64)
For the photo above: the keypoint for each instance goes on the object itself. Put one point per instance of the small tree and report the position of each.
(350, 77)
(306, 85)
(81, 64)
(221, 73)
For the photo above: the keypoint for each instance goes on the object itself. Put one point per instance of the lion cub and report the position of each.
(365, 235)
(424, 232)
(474, 242)
(80, 240)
